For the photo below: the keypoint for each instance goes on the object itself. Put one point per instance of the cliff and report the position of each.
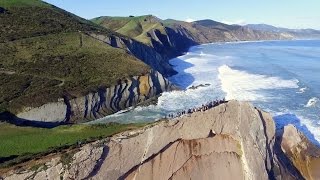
(94, 105)
(231, 141)
(155, 59)
(170, 38)
(294, 33)
(155, 41)
(53, 60)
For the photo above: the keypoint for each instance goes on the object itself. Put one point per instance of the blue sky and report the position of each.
(284, 13)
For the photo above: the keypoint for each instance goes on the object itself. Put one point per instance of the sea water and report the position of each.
(281, 77)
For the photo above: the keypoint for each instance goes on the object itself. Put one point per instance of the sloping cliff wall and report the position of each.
(157, 60)
(231, 141)
(97, 104)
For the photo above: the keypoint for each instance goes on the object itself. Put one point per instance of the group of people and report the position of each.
(203, 108)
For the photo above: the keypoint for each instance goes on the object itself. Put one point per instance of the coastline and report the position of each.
(164, 108)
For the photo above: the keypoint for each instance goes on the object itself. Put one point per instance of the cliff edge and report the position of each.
(231, 141)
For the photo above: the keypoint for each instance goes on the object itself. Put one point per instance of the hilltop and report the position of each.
(172, 37)
(150, 29)
(297, 33)
(134, 27)
(25, 19)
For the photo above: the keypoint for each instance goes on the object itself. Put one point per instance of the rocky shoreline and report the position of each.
(95, 105)
(231, 141)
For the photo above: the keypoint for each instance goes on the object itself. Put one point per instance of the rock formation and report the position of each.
(97, 104)
(231, 141)
(155, 59)
(304, 155)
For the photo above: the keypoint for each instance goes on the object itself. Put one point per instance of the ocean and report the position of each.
(281, 77)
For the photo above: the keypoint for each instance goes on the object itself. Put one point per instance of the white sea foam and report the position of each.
(302, 90)
(311, 131)
(304, 124)
(312, 102)
(241, 85)
(202, 66)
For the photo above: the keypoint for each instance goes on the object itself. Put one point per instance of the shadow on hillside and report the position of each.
(13, 119)
(286, 119)
(182, 79)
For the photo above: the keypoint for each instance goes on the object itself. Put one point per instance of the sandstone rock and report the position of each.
(231, 141)
(304, 155)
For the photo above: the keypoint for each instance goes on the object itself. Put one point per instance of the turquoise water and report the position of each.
(282, 77)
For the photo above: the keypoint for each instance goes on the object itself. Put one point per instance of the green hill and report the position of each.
(28, 18)
(46, 54)
(134, 27)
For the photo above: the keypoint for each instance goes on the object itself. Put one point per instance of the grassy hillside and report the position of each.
(45, 54)
(42, 69)
(23, 143)
(28, 18)
(135, 27)
(216, 25)
(23, 3)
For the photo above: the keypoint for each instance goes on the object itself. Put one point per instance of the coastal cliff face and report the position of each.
(155, 41)
(208, 31)
(231, 141)
(98, 104)
(155, 59)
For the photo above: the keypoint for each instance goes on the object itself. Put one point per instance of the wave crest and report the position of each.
(242, 85)
(312, 102)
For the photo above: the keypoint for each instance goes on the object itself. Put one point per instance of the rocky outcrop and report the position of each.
(231, 141)
(98, 104)
(303, 154)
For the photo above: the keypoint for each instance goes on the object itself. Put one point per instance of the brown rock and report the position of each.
(304, 155)
(231, 141)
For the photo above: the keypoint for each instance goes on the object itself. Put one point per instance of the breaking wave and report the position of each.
(241, 85)
(312, 102)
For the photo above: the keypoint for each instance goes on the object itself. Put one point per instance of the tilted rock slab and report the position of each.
(99, 104)
(231, 141)
(304, 155)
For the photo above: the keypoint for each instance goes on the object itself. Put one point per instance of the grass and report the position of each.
(22, 3)
(30, 18)
(45, 55)
(26, 141)
(134, 27)
(48, 67)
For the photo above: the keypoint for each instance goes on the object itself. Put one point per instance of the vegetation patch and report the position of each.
(30, 18)
(66, 158)
(38, 70)
(46, 54)
(138, 27)
(26, 143)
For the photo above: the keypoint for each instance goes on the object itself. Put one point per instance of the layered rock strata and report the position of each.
(231, 141)
(99, 104)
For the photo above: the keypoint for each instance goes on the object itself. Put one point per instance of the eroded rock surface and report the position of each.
(231, 141)
(96, 105)
(304, 155)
